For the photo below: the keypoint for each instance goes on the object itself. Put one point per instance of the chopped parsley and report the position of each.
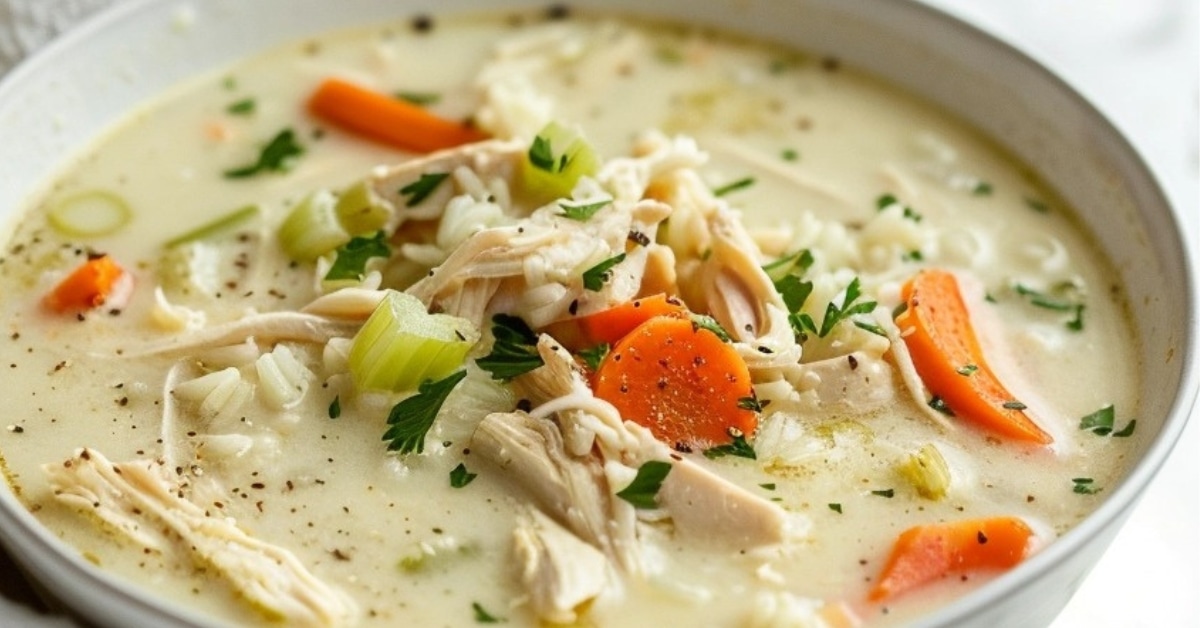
(243, 107)
(594, 356)
(739, 447)
(411, 419)
(595, 277)
(460, 477)
(1036, 205)
(482, 616)
(789, 154)
(642, 491)
(982, 188)
(887, 200)
(352, 257)
(419, 98)
(797, 263)
(1059, 300)
(1014, 405)
(835, 314)
(704, 321)
(734, 186)
(887, 492)
(584, 212)
(767, 486)
(1084, 486)
(514, 351)
(966, 370)
(420, 189)
(335, 407)
(836, 507)
(541, 155)
(750, 403)
(279, 155)
(1102, 422)
(937, 403)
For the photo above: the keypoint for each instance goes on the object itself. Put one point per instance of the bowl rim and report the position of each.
(1110, 514)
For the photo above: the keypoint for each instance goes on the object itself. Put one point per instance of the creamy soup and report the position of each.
(607, 323)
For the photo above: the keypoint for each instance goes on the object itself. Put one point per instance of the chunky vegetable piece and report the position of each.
(679, 380)
(88, 286)
(556, 159)
(946, 353)
(616, 322)
(402, 345)
(925, 553)
(386, 119)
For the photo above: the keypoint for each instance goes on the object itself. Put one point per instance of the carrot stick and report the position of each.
(386, 119)
(925, 553)
(945, 351)
(682, 382)
(88, 286)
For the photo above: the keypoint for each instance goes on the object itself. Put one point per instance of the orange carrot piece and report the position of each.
(947, 356)
(680, 381)
(925, 553)
(387, 119)
(88, 286)
(616, 322)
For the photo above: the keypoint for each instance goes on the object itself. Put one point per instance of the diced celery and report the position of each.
(402, 345)
(215, 227)
(556, 159)
(361, 210)
(312, 229)
(90, 214)
(927, 471)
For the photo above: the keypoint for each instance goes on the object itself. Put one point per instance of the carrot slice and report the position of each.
(387, 119)
(947, 356)
(925, 553)
(609, 326)
(679, 380)
(88, 286)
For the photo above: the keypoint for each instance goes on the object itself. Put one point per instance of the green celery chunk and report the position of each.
(402, 345)
(312, 229)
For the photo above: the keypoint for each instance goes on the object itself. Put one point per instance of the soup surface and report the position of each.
(675, 325)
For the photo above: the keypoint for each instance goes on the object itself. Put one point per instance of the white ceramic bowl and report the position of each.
(59, 100)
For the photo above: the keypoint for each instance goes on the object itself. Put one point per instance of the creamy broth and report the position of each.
(386, 533)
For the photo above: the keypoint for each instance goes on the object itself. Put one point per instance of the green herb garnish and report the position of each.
(594, 356)
(541, 155)
(750, 403)
(419, 98)
(1014, 405)
(514, 351)
(789, 154)
(243, 107)
(836, 507)
(769, 486)
(982, 188)
(644, 488)
(279, 155)
(1084, 486)
(583, 213)
(734, 186)
(887, 200)
(335, 407)
(738, 447)
(352, 257)
(411, 419)
(420, 189)
(937, 403)
(482, 616)
(704, 321)
(888, 492)
(460, 477)
(966, 370)
(1102, 422)
(595, 277)
(835, 314)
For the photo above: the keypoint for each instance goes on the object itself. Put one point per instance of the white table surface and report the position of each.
(1139, 61)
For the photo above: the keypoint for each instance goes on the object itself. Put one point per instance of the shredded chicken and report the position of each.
(138, 500)
(266, 327)
(561, 572)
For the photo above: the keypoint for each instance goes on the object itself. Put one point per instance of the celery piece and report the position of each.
(312, 229)
(556, 159)
(90, 214)
(216, 227)
(361, 210)
(402, 345)
(927, 471)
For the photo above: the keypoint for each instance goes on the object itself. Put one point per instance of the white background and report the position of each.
(1139, 62)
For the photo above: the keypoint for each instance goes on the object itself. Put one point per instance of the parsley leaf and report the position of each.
(460, 477)
(887, 200)
(836, 507)
(739, 447)
(410, 419)
(1085, 486)
(937, 403)
(1014, 405)
(595, 277)
(482, 616)
(583, 213)
(514, 351)
(887, 492)
(335, 407)
(352, 257)
(242, 107)
(594, 356)
(982, 188)
(966, 370)
(704, 321)
(797, 263)
(420, 189)
(750, 403)
(789, 154)
(541, 155)
(1102, 421)
(642, 490)
(419, 98)
(279, 155)
(835, 314)
(728, 188)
